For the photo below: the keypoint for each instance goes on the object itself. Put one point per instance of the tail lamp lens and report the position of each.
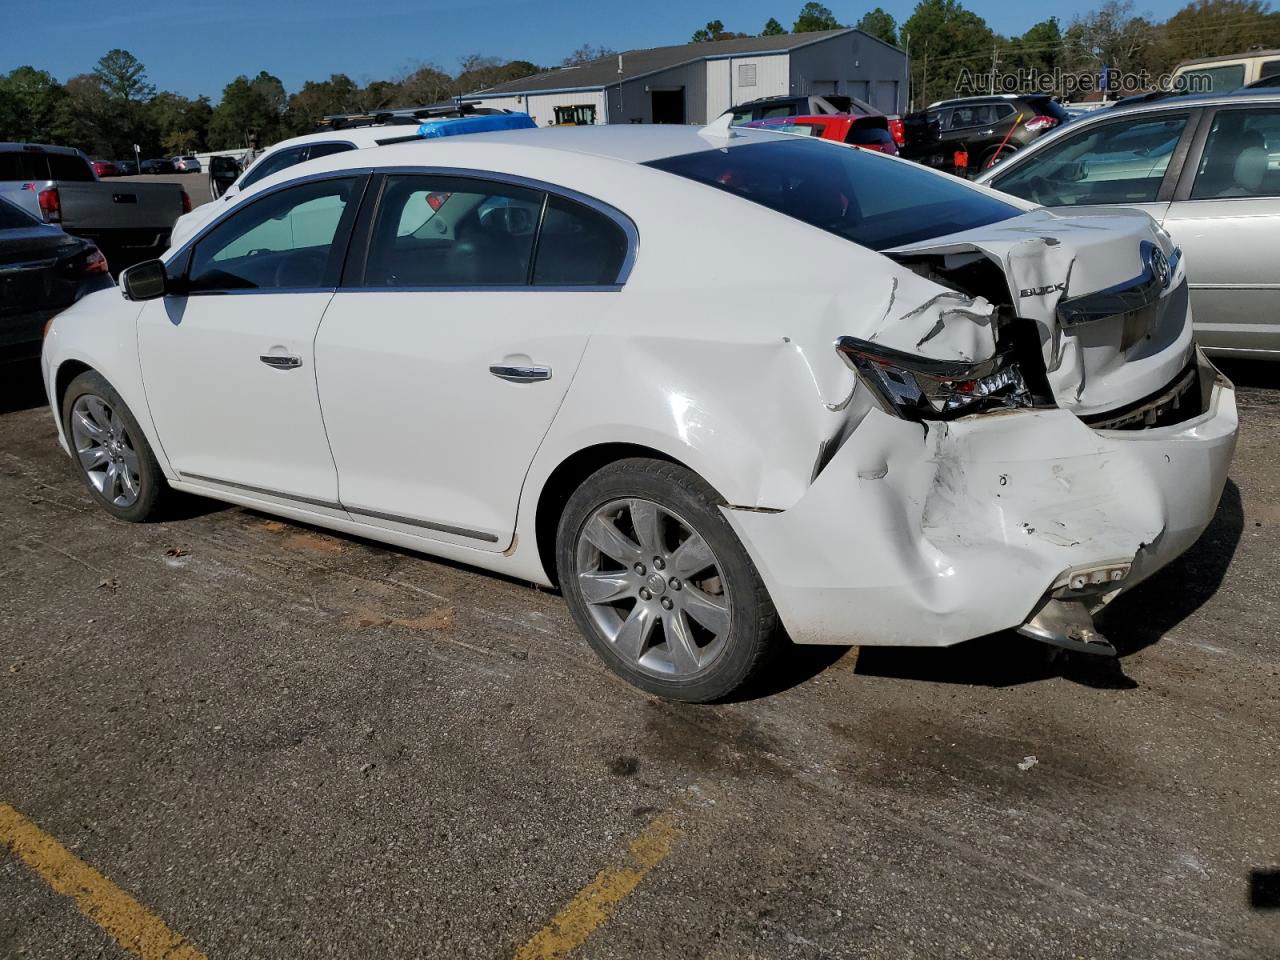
(1040, 123)
(50, 204)
(921, 388)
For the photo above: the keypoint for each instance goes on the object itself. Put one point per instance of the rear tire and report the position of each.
(111, 453)
(660, 585)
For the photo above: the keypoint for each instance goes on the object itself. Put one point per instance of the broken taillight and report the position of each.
(921, 388)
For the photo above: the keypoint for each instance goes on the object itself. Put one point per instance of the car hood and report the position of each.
(1105, 288)
(189, 224)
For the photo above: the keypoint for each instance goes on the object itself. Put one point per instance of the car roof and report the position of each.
(1260, 95)
(1225, 58)
(359, 136)
(38, 147)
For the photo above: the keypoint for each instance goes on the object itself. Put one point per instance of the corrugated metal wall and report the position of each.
(718, 92)
(771, 75)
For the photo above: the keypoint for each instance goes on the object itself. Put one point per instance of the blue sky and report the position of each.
(198, 46)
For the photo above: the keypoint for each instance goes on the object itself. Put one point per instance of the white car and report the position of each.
(722, 387)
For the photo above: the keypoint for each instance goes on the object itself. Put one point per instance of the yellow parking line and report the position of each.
(596, 902)
(130, 924)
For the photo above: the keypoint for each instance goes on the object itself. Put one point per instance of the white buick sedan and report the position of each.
(723, 388)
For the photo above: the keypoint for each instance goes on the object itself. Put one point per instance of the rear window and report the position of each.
(38, 165)
(871, 200)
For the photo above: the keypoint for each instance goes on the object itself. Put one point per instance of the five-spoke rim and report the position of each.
(654, 588)
(105, 450)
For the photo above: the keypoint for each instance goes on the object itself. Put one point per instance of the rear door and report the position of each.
(444, 357)
(1226, 218)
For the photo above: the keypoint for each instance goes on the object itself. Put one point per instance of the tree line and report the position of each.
(115, 105)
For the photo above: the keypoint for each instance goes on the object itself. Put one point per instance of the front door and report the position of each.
(1227, 222)
(228, 364)
(442, 368)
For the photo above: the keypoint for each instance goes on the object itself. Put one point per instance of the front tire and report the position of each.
(659, 584)
(111, 453)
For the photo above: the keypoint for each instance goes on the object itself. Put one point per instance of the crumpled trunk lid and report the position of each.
(1106, 289)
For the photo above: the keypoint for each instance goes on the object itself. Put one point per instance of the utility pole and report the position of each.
(995, 59)
(897, 107)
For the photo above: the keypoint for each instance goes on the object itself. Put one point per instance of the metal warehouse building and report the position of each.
(695, 83)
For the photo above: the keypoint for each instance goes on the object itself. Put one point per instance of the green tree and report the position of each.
(946, 40)
(250, 113)
(880, 23)
(425, 85)
(30, 102)
(1039, 49)
(479, 72)
(814, 17)
(714, 30)
(1110, 36)
(123, 76)
(88, 119)
(177, 124)
(1210, 28)
(772, 29)
(317, 99)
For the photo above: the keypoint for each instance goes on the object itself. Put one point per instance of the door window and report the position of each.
(286, 240)
(976, 116)
(1120, 162)
(273, 163)
(578, 246)
(1241, 156)
(1268, 68)
(452, 232)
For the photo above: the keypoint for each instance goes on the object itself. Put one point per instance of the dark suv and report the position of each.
(983, 129)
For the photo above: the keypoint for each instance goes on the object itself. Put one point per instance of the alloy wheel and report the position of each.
(654, 588)
(105, 450)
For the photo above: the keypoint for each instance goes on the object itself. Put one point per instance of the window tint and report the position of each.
(578, 245)
(1268, 68)
(1121, 162)
(317, 150)
(22, 165)
(851, 193)
(273, 163)
(1002, 110)
(285, 240)
(788, 110)
(976, 116)
(69, 167)
(1213, 79)
(452, 232)
(1241, 156)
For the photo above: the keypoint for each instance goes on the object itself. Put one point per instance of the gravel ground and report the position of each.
(289, 743)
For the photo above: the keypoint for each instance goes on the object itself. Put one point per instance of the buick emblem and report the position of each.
(1160, 266)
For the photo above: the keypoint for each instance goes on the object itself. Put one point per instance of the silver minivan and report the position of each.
(1208, 170)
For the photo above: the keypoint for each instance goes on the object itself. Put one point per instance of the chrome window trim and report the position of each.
(623, 221)
(335, 505)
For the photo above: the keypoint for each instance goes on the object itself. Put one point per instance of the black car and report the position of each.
(127, 168)
(158, 166)
(980, 131)
(42, 272)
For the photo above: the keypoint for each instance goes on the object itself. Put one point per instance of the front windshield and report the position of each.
(862, 196)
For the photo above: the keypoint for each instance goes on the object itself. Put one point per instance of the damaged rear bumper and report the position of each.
(930, 536)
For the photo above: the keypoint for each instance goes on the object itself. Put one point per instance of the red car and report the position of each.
(105, 168)
(871, 132)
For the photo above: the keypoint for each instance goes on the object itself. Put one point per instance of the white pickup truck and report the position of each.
(129, 221)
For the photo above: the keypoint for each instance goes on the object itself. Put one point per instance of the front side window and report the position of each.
(273, 163)
(851, 193)
(1241, 156)
(1120, 162)
(286, 240)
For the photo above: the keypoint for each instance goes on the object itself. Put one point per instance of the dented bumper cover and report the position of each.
(931, 535)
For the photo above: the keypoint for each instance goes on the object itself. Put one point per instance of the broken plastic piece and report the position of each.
(1067, 624)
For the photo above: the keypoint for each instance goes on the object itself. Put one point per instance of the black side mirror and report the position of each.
(144, 281)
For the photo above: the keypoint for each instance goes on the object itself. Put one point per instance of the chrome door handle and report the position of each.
(286, 362)
(520, 374)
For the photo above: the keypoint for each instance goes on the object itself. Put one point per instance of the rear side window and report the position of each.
(1237, 159)
(578, 246)
(1268, 68)
(851, 193)
(976, 116)
(69, 167)
(1213, 79)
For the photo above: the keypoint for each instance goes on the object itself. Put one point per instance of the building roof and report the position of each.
(597, 74)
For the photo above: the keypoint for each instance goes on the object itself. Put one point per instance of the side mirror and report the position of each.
(144, 281)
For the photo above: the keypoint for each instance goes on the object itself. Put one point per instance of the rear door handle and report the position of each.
(281, 361)
(520, 374)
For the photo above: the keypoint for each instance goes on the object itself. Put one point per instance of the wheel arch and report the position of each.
(567, 477)
(67, 371)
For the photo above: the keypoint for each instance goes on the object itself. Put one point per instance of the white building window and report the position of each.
(746, 74)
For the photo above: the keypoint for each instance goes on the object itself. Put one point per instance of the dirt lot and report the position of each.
(283, 743)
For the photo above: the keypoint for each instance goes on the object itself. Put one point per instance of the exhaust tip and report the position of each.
(1067, 624)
